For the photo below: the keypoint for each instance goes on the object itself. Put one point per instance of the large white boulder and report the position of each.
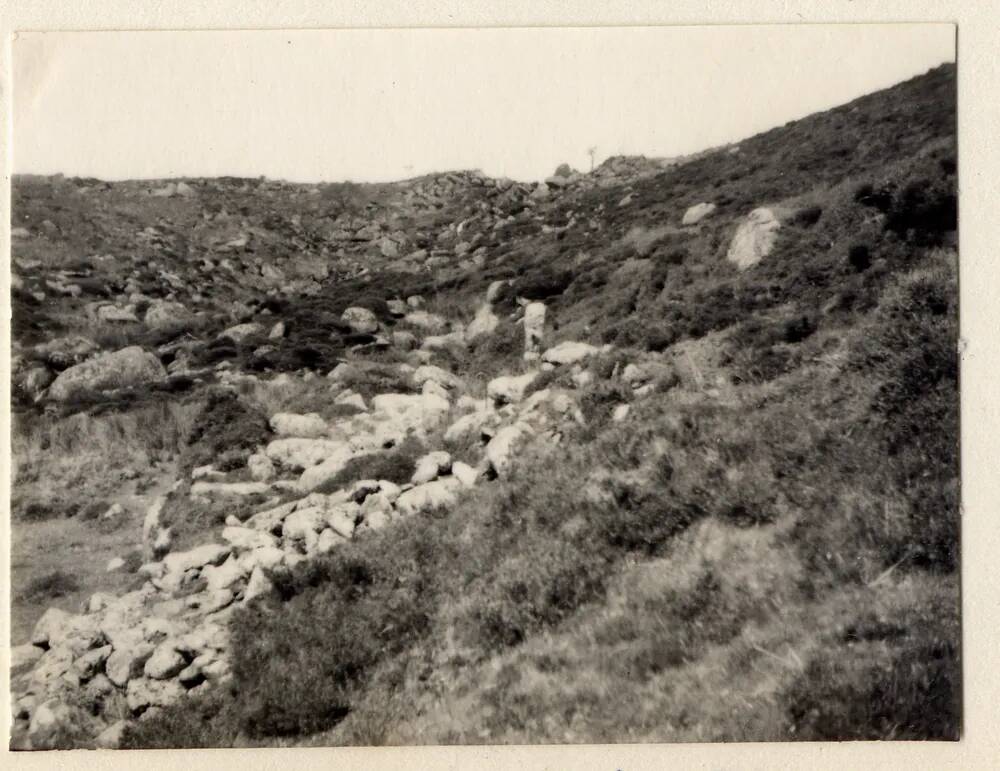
(754, 238)
(308, 426)
(144, 692)
(500, 450)
(569, 352)
(468, 424)
(128, 368)
(165, 662)
(431, 466)
(509, 389)
(440, 492)
(127, 663)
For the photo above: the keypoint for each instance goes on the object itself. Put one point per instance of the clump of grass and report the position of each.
(880, 680)
(396, 465)
(51, 586)
(226, 433)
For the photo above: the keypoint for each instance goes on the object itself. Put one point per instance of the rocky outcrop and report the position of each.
(754, 238)
(128, 368)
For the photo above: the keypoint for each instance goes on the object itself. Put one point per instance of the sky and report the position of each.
(377, 105)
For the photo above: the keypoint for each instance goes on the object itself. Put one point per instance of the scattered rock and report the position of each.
(697, 213)
(261, 468)
(569, 353)
(241, 332)
(308, 426)
(429, 322)
(499, 451)
(128, 368)
(162, 314)
(196, 558)
(361, 320)
(464, 473)
(426, 497)
(431, 466)
(509, 389)
(484, 323)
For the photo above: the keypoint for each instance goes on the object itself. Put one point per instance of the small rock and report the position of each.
(697, 213)
(111, 737)
(260, 467)
(430, 466)
(125, 664)
(308, 426)
(509, 389)
(464, 473)
(361, 320)
(165, 662)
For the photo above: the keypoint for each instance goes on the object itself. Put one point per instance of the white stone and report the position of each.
(124, 664)
(464, 473)
(261, 468)
(509, 389)
(225, 576)
(241, 332)
(569, 353)
(429, 322)
(361, 320)
(484, 323)
(534, 329)
(499, 451)
(127, 368)
(429, 372)
(247, 538)
(165, 662)
(430, 466)
(198, 557)
(441, 492)
(754, 238)
(308, 426)
(201, 489)
(697, 213)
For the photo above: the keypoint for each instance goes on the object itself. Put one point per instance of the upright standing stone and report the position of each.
(534, 330)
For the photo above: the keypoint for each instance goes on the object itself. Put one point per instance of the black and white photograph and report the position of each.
(484, 386)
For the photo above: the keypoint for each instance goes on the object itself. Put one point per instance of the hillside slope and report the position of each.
(730, 512)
